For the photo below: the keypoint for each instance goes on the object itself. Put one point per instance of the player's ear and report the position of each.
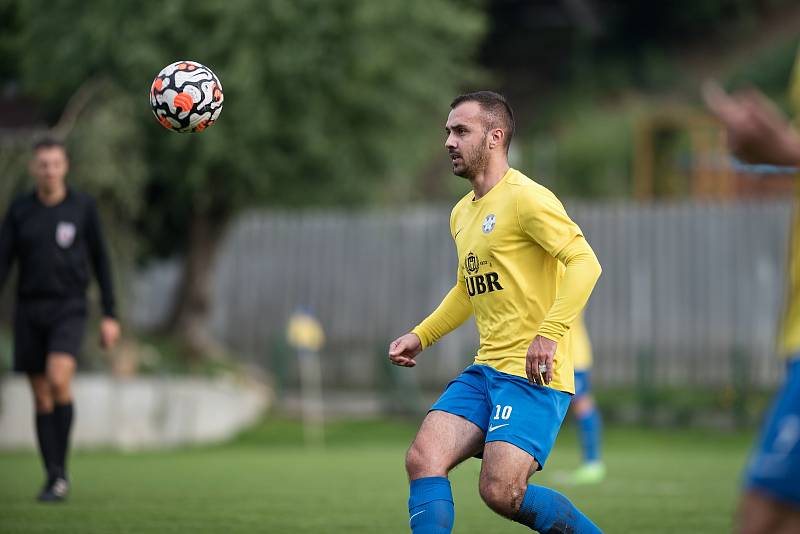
(496, 137)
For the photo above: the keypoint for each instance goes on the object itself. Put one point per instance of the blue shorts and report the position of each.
(583, 382)
(507, 408)
(774, 467)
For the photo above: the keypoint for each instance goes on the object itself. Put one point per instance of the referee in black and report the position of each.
(54, 234)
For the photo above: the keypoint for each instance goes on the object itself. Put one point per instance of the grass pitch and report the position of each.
(660, 481)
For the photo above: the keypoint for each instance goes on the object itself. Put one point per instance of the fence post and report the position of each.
(740, 377)
(280, 367)
(645, 380)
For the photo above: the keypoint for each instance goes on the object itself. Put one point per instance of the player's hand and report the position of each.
(404, 349)
(757, 131)
(109, 332)
(539, 360)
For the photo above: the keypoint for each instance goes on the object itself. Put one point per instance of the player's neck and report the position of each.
(51, 196)
(490, 177)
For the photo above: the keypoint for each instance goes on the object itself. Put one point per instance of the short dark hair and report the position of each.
(49, 142)
(496, 108)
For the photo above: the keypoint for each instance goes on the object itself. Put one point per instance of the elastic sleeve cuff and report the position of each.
(551, 334)
(423, 338)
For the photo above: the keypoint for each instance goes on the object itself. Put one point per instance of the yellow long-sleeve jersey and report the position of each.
(524, 270)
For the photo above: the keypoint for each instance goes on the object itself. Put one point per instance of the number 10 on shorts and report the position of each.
(502, 412)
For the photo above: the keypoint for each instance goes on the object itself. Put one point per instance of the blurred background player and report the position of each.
(525, 271)
(758, 133)
(54, 234)
(590, 425)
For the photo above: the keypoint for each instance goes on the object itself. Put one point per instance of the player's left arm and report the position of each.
(546, 221)
(581, 274)
(101, 263)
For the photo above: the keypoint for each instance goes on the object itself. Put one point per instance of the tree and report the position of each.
(326, 102)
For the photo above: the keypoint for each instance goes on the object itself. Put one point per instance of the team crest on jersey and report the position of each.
(471, 263)
(488, 223)
(65, 234)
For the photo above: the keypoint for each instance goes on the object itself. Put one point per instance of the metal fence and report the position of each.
(691, 292)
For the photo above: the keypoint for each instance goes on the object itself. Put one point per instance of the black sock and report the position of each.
(63, 424)
(48, 442)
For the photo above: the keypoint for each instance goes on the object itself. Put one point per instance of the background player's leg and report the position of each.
(444, 440)
(45, 423)
(60, 371)
(590, 432)
(504, 488)
(759, 514)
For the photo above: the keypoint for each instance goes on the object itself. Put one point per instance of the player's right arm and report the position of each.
(7, 246)
(454, 309)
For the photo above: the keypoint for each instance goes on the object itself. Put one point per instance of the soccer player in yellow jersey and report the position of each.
(757, 133)
(590, 425)
(525, 271)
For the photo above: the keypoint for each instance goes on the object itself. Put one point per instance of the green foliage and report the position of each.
(13, 169)
(9, 26)
(583, 143)
(769, 71)
(588, 152)
(325, 101)
(104, 147)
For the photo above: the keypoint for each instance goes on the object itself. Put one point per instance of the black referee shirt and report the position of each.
(55, 246)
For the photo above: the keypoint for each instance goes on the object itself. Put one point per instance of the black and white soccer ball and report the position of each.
(186, 97)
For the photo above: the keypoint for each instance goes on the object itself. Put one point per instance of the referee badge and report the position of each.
(65, 234)
(488, 223)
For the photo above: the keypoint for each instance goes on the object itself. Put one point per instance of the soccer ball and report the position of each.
(186, 97)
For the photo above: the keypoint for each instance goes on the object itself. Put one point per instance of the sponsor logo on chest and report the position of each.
(478, 284)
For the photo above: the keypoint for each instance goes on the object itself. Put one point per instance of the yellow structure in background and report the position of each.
(304, 332)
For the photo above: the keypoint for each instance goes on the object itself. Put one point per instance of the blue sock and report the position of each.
(430, 506)
(591, 428)
(549, 512)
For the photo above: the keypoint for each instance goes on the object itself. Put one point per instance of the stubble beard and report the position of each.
(475, 163)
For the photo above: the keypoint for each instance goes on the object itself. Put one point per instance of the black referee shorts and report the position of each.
(42, 326)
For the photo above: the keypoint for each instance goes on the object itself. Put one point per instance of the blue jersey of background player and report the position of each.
(758, 133)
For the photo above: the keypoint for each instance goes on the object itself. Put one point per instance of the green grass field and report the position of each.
(265, 481)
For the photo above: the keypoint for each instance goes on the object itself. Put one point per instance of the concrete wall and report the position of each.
(138, 413)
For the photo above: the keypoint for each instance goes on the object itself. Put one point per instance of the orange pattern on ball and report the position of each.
(184, 101)
(158, 83)
(165, 123)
